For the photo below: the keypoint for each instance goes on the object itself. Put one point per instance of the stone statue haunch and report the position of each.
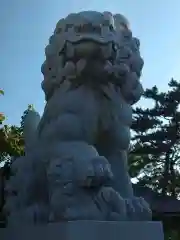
(75, 167)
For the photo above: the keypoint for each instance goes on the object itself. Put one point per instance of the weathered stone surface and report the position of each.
(88, 230)
(75, 167)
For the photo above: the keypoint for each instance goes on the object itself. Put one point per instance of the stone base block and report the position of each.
(87, 230)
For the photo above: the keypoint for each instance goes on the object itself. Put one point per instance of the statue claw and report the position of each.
(138, 209)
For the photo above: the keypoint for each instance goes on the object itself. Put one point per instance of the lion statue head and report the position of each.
(92, 48)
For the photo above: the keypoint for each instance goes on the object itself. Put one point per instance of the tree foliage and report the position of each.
(11, 140)
(155, 154)
(11, 137)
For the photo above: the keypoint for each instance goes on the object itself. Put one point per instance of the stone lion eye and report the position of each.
(86, 27)
(77, 29)
(68, 26)
(97, 30)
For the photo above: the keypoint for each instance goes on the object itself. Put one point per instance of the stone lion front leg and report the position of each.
(73, 164)
(136, 207)
(122, 180)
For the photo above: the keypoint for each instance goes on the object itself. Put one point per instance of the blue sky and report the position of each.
(26, 25)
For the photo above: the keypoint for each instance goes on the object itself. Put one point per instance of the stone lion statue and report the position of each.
(78, 151)
(91, 79)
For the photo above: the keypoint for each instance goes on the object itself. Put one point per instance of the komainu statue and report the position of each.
(75, 165)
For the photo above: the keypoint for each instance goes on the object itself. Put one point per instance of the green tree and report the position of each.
(11, 137)
(155, 154)
(11, 140)
(11, 145)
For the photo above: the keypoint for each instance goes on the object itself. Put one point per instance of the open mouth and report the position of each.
(89, 49)
(88, 40)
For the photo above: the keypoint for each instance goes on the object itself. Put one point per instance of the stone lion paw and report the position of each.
(101, 171)
(112, 205)
(138, 209)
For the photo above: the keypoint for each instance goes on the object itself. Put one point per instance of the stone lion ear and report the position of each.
(121, 22)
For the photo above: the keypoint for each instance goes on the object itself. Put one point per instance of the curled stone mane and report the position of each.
(84, 36)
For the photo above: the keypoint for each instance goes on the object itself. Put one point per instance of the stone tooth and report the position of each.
(69, 70)
(107, 50)
(70, 51)
(80, 65)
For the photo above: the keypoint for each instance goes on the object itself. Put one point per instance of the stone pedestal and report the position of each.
(87, 230)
